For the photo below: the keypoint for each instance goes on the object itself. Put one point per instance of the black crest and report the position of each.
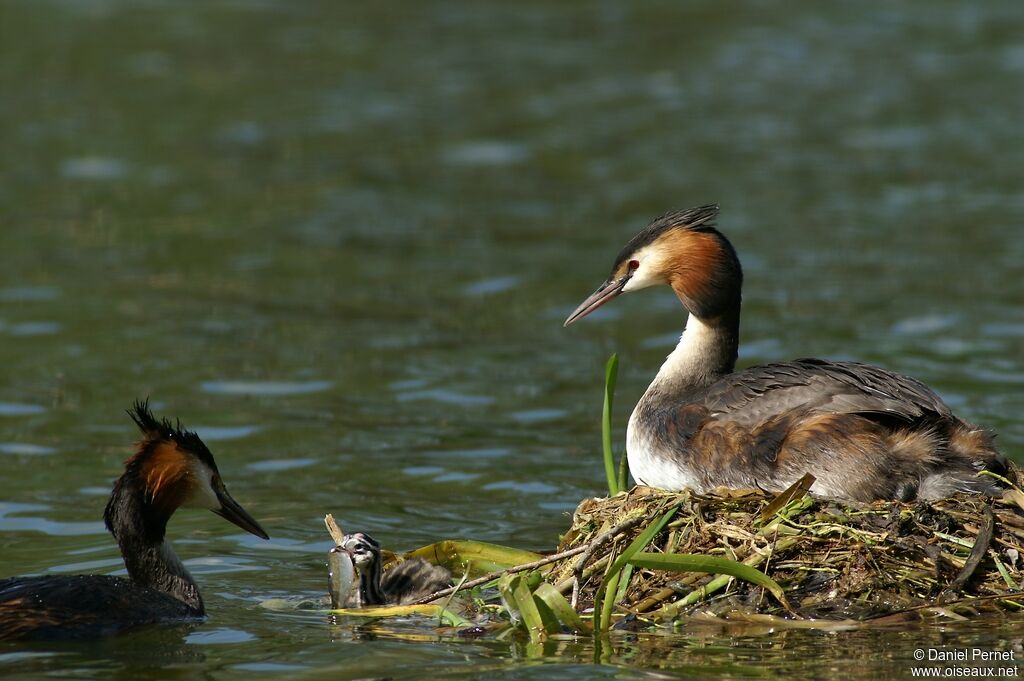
(156, 430)
(699, 219)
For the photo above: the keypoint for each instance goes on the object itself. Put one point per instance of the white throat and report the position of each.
(690, 364)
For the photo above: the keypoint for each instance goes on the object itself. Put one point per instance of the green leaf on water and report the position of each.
(560, 607)
(522, 608)
(481, 558)
(538, 607)
(430, 610)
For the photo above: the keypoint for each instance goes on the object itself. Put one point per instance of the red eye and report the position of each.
(633, 264)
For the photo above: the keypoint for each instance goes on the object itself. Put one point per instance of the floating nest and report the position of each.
(833, 559)
(804, 561)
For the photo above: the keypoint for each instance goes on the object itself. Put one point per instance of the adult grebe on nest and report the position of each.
(864, 432)
(171, 467)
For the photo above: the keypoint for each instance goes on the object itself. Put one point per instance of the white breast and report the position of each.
(652, 468)
(685, 365)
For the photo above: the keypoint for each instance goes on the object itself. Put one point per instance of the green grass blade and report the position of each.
(716, 565)
(611, 372)
(602, 604)
(1003, 572)
(609, 587)
(642, 540)
(624, 577)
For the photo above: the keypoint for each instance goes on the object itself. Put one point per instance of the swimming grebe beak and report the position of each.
(231, 510)
(602, 295)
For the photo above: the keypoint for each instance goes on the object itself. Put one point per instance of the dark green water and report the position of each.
(339, 241)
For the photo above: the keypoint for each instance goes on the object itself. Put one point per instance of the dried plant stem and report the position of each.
(598, 565)
(592, 547)
(334, 529)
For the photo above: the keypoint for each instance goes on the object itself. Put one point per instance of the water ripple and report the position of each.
(216, 433)
(265, 388)
(93, 168)
(271, 465)
(88, 566)
(29, 293)
(447, 397)
(924, 324)
(486, 153)
(524, 487)
(212, 637)
(538, 415)
(34, 328)
(487, 287)
(36, 524)
(19, 409)
(25, 449)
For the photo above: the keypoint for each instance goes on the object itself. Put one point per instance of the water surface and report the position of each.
(340, 241)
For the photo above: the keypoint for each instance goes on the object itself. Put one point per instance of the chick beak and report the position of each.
(232, 511)
(602, 295)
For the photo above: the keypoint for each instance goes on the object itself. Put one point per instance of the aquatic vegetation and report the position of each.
(647, 557)
(616, 478)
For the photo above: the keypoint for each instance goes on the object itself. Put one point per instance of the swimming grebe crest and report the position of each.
(170, 468)
(864, 432)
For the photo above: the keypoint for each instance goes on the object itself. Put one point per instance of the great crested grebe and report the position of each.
(409, 581)
(171, 467)
(865, 433)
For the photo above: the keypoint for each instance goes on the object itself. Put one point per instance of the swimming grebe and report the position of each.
(406, 582)
(865, 433)
(171, 467)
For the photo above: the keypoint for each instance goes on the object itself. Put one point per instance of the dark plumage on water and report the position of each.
(171, 467)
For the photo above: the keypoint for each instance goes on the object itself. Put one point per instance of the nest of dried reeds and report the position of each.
(833, 559)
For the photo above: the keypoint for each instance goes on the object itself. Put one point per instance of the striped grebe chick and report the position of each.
(170, 468)
(409, 581)
(865, 433)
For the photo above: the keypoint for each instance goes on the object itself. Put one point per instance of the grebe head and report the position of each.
(171, 468)
(364, 549)
(682, 250)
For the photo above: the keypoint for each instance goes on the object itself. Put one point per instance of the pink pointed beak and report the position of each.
(605, 292)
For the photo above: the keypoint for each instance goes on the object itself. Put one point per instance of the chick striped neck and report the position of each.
(370, 591)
